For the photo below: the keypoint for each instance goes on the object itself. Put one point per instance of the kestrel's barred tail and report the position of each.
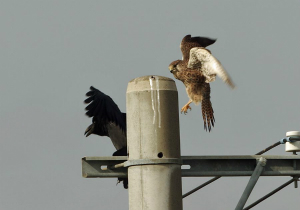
(207, 114)
(207, 110)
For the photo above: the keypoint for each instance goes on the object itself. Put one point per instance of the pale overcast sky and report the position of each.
(53, 51)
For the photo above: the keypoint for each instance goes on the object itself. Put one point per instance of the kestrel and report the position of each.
(108, 121)
(196, 70)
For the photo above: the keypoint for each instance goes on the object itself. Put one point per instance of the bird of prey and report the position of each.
(108, 121)
(196, 70)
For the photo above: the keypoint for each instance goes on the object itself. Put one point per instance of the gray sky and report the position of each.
(52, 51)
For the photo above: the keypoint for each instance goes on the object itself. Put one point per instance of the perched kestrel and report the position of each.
(196, 70)
(108, 121)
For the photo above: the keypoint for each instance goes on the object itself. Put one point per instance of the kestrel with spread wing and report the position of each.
(196, 70)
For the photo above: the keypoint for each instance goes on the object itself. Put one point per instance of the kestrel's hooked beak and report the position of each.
(173, 66)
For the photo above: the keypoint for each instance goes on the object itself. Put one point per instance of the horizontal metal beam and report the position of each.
(202, 166)
(97, 167)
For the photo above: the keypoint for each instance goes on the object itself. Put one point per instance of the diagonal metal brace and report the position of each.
(256, 173)
(271, 193)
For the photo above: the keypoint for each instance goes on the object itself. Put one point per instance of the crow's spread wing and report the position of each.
(108, 120)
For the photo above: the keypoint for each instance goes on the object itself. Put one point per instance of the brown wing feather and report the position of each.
(188, 42)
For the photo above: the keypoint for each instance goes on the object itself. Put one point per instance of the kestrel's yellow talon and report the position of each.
(185, 108)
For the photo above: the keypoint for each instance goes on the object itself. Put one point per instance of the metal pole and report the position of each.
(256, 173)
(153, 134)
(269, 194)
(201, 186)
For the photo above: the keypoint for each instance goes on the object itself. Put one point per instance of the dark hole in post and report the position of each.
(160, 155)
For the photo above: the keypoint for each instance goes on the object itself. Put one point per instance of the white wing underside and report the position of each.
(203, 60)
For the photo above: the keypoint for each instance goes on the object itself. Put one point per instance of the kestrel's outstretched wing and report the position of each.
(203, 60)
(108, 120)
(188, 42)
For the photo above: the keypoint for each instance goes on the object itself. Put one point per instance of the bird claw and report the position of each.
(185, 108)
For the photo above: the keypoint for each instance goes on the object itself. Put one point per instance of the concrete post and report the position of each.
(153, 141)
